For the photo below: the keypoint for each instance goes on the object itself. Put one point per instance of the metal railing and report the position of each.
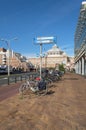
(15, 78)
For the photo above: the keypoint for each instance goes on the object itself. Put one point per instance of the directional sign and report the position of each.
(42, 40)
(45, 38)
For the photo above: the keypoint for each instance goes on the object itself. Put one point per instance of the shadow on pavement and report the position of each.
(50, 92)
(71, 79)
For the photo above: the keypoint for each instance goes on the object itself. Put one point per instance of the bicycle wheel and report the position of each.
(42, 92)
(23, 88)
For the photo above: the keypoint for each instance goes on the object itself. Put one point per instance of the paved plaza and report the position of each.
(63, 108)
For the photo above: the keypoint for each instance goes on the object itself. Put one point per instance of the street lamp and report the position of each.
(8, 44)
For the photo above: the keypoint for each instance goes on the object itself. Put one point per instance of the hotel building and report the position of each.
(53, 58)
(80, 42)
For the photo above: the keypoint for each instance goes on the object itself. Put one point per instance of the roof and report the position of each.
(55, 48)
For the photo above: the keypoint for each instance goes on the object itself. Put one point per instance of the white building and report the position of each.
(53, 58)
(56, 56)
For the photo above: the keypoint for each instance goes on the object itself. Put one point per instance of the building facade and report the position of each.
(3, 58)
(80, 42)
(16, 60)
(53, 58)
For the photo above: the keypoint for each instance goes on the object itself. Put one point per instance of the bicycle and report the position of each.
(38, 87)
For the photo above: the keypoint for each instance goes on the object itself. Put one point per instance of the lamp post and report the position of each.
(8, 44)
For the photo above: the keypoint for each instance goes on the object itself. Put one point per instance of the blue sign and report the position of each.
(45, 40)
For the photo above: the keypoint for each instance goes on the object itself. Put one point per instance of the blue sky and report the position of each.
(26, 19)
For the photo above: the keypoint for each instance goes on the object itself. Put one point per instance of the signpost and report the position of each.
(40, 41)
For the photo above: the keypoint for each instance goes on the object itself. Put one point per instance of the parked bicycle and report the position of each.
(38, 87)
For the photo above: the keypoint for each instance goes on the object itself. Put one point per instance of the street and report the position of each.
(63, 108)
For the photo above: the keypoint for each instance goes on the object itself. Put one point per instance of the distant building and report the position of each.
(80, 42)
(3, 58)
(53, 58)
(17, 61)
(56, 56)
